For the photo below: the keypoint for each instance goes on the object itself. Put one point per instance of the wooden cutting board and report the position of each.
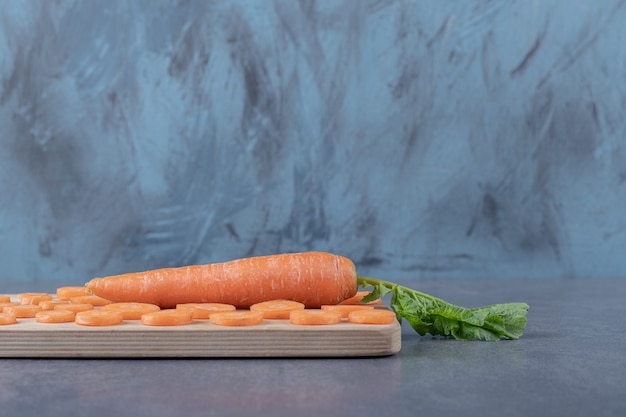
(131, 339)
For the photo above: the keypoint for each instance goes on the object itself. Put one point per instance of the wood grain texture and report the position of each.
(199, 339)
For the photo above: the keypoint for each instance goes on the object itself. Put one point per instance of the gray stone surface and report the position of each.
(570, 362)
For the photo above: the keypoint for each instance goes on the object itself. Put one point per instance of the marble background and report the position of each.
(439, 139)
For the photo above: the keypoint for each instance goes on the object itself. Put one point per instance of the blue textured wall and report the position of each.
(421, 138)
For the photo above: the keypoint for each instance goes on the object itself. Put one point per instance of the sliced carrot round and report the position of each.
(22, 310)
(204, 310)
(24, 295)
(372, 316)
(167, 317)
(98, 318)
(132, 311)
(5, 298)
(76, 308)
(314, 317)
(277, 309)
(35, 299)
(8, 303)
(237, 318)
(345, 309)
(94, 300)
(65, 293)
(54, 316)
(6, 318)
(49, 304)
(356, 300)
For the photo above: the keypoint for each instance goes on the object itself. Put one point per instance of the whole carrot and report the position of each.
(311, 278)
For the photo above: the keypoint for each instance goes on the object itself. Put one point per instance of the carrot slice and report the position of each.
(167, 317)
(54, 316)
(5, 298)
(204, 310)
(23, 295)
(7, 319)
(76, 308)
(65, 293)
(372, 316)
(356, 300)
(22, 310)
(98, 318)
(8, 303)
(94, 300)
(132, 311)
(49, 304)
(237, 318)
(277, 309)
(314, 317)
(345, 309)
(35, 299)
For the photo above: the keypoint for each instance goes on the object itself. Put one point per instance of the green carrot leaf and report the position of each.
(379, 290)
(430, 315)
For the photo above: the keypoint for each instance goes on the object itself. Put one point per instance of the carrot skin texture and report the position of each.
(312, 278)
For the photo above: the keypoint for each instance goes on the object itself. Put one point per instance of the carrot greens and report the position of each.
(430, 315)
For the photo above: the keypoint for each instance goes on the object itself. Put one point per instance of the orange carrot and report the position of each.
(132, 311)
(75, 307)
(356, 300)
(5, 298)
(8, 303)
(54, 316)
(22, 310)
(98, 318)
(314, 317)
(167, 317)
(35, 299)
(277, 309)
(24, 295)
(65, 293)
(49, 304)
(374, 316)
(204, 310)
(345, 309)
(311, 278)
(7, 319)
(237, 318)
(94, 300)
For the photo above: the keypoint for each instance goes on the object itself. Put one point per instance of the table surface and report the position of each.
(571, 361)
